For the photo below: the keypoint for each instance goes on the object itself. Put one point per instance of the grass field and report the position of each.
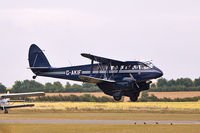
(117, 106)
(47, 115)
(156, 111)
(179, 94)
(97, 128)
(171, 95)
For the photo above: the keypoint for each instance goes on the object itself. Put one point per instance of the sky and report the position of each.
(166, 32)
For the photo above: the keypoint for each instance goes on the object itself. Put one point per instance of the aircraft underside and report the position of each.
(120, 89)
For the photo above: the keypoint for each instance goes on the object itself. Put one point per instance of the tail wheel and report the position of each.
(117, 98)
(5, 111)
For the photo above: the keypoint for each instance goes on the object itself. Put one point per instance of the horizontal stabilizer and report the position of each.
(22, 94)
(35, 68)
(95, 80)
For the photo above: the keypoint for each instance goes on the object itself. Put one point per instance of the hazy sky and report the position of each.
(167, 32)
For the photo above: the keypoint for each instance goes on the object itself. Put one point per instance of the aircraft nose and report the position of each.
(160, 74)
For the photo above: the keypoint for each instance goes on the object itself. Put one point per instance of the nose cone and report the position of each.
(159, 73)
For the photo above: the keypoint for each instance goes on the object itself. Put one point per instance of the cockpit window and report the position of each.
(149, 64)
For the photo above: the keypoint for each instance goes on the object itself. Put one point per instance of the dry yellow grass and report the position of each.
(117, 106)
(171, 95)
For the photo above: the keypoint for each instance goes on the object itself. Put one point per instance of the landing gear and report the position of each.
(5, 111)
(134, 97)
(34, 77)
(117, 98)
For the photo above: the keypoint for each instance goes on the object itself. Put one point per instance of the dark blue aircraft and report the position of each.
(113, 77)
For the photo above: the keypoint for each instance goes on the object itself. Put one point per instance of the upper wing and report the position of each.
(18, 106)
(94, 80)
(23, 94)
(102, 59)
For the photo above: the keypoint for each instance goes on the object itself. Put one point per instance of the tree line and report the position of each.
(180, 84)
(162, 85)
(55, 87)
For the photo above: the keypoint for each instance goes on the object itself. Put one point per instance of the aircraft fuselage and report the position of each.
(113, 77)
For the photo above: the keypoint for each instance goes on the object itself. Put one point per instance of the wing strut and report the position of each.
(92, 63)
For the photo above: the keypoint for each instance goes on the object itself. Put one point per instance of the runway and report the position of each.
(100, 121)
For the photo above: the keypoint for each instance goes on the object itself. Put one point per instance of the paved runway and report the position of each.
(100, 121)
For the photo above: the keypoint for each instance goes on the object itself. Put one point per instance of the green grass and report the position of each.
(97, 128)
(15, 115)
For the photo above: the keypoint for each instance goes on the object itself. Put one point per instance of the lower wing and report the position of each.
(94, 80)
(29, 94)
(17, 106)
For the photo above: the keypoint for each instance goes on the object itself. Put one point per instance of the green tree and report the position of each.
(88, 85)
(197, 82)
(49, 87)
(68, 85)
(188, 82)
(58, 86)
(27, 86)
(2, 88)
(171, 83)
(162, 82)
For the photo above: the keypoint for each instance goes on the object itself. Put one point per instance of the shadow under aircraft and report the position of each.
(115, 78)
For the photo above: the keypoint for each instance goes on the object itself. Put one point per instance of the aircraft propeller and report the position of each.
(134, 80)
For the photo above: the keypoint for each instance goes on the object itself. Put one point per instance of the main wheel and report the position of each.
(5, 111)
(117, 98)
(134, 99)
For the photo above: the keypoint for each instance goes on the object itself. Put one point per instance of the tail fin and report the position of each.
(36, 58)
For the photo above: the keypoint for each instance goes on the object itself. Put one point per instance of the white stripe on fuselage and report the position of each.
(120, 71)
(54, 73)
(101, 72)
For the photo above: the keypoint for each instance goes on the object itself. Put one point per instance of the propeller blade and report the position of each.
(134, 80)
(132, 77)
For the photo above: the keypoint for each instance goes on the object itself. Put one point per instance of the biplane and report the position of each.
(5, 102)
(115, 78)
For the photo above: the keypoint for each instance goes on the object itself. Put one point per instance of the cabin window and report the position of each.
(115, 68)
(134, 67)
(95, 68)
(100, 67)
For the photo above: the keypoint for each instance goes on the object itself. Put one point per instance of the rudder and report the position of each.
(37, 58)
